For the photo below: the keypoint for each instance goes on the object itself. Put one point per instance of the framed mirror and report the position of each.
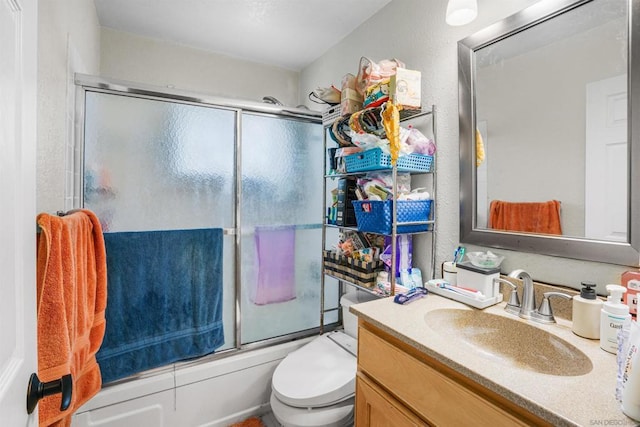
(549, 108)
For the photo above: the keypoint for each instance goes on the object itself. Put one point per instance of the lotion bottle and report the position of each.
(586, 312)
(613, 316)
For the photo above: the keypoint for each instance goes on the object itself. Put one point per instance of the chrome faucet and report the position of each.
(527, 310)
(528, 306)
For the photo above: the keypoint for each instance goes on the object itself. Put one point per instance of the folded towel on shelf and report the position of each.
(71, 300)
(528, 217)
(165, 299)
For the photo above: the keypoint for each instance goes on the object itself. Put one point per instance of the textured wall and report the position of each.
(415, 32)
(68, 42)
(139, 59)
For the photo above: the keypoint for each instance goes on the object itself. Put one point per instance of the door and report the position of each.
(606, 171)
(376, 408)
(18, 44)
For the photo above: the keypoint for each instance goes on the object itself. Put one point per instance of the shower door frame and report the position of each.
(88, 83)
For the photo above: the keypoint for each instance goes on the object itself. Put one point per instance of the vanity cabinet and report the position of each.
(418, 390)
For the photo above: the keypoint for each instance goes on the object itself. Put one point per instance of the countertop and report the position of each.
(584, 400)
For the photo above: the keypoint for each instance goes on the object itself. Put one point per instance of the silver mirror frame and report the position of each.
(619, 253)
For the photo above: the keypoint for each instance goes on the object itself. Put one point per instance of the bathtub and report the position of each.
(213, 393)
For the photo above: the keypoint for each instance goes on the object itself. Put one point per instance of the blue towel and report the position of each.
(164, 299)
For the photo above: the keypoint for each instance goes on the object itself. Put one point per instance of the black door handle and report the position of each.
(36, 390)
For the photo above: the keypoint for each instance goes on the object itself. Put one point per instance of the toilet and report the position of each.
(314, 386)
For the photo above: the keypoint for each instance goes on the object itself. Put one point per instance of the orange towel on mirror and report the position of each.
(528, 217)
(72, 298)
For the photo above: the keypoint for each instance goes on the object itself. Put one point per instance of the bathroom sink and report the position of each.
(510, 341)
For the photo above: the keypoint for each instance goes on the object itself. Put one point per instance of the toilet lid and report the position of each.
(318, 374)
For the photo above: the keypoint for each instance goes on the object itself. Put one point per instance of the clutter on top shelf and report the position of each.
(325, 95)
(372, 74)
(363, 133)
(404, 88)
(388, 79)
(368, 119)
(350, 100)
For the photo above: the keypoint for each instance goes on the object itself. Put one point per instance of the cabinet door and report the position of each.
(376, 408)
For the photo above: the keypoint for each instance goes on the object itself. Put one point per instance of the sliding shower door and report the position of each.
(155, 162)
(282, 169)
(156, 165)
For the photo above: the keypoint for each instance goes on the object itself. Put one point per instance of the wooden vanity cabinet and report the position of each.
(397, 385)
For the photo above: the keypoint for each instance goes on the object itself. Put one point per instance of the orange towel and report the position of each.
(529, 217)
(72, 297)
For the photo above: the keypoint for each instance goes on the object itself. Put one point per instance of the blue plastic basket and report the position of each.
(375, 159)
(375, 216)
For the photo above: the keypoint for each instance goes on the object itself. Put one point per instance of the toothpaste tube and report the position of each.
(467, 292)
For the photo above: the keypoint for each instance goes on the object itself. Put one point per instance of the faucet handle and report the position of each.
(544, 314)
(513, 306)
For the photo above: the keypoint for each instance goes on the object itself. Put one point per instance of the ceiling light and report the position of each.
(461, 12)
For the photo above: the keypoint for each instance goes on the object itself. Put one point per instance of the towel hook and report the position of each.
(37, 390)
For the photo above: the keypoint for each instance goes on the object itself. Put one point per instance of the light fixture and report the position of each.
(461, 12)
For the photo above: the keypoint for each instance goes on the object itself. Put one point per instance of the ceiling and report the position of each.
(283, 33)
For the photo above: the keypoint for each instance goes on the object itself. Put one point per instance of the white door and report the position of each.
(18, 44)
(606, 168)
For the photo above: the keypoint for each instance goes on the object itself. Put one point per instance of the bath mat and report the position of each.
(249, 422)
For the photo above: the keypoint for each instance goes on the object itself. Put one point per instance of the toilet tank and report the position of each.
(349, 320)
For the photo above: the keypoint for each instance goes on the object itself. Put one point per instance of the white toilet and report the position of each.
(314, 386)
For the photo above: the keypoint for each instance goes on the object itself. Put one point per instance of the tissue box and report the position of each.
(405, 88)
(481, 279)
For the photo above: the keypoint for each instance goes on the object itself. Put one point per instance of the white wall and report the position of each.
(68, 42)
(415, 32)
(130, 57)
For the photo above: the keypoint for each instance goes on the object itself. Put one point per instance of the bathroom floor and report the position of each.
(269, 420)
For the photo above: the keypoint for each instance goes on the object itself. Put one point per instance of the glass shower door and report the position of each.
(156, 165)
(153, 163)
(281, 211)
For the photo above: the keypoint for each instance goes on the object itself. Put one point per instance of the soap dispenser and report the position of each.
(586, 312)
(613, 316)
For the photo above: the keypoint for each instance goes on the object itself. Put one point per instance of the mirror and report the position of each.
(549, 145)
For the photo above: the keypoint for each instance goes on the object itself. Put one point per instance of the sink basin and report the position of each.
(510, 341)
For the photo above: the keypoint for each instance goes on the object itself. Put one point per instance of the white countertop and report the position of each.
(584, 400)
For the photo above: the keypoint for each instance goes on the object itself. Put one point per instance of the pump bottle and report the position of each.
(613, 316)
(586, 312)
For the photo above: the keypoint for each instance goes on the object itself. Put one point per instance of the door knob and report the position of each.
(37, 390)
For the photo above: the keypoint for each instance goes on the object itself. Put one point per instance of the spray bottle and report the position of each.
(613, 316)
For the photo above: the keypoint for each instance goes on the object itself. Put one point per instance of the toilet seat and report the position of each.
(321, 373)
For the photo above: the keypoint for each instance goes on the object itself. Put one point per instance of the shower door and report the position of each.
(282, 166)
(151, 162)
